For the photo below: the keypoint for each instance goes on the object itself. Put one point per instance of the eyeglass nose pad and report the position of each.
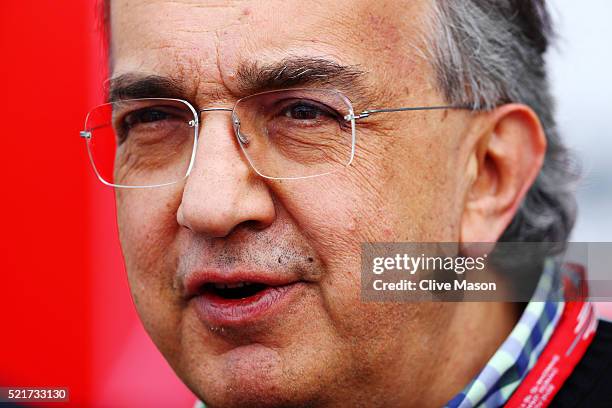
(242, 137)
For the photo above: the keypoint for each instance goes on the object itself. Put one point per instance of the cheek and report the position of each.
(395, 191)
(423, 191)
(147, 221)
(336, 215)
(147, 227)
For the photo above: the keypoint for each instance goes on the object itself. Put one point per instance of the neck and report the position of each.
(477, 330)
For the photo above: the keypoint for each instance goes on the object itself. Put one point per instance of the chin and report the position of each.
(245, 399)
(252, 376)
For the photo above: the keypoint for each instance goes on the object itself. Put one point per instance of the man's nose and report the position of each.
(222, 192)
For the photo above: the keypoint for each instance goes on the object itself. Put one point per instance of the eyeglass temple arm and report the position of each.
(86, 134)
(366, 113)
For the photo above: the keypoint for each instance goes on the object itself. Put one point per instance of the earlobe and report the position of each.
(504, 162)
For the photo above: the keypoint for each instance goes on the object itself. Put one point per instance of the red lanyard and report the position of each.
(568, 343)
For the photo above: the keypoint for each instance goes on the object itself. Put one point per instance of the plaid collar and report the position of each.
(518, 354)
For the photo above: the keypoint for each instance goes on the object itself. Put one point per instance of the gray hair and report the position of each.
(490, 52)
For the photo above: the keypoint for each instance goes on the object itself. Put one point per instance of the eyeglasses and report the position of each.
(284, 134)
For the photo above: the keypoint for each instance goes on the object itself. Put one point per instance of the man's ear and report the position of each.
(504, 161)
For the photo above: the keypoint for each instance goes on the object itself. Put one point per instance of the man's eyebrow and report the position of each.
(252, 78)
(134, 86)
(299, 71)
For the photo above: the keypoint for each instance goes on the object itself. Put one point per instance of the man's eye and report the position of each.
(149, 123)
(145, 116)
(307, 111)
(303, 112)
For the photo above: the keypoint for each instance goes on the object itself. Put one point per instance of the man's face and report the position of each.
(306, 338)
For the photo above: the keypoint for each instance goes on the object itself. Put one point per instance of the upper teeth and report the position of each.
(231, 285)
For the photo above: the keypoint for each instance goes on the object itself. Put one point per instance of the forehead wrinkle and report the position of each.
(204, 88)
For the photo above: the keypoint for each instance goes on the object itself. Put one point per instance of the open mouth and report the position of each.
(234, 291)
(244, 302)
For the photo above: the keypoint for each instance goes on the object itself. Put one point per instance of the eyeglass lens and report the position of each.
(283, 134)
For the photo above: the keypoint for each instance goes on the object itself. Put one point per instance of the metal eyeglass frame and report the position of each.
(243, 140)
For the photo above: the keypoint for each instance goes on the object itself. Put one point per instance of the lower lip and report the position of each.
(218, 311)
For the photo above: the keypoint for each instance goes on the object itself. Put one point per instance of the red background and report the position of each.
(66, 314)
(67, 318)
